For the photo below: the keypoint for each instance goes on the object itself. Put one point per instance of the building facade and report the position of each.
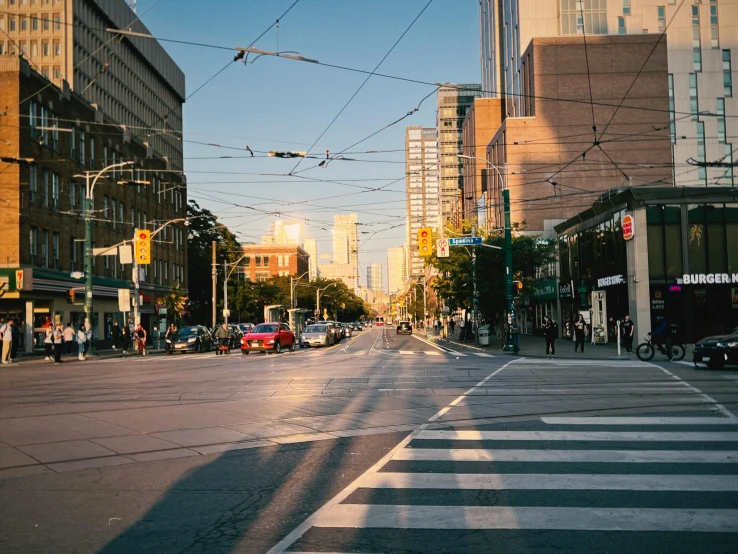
(702, 42)
(422, 189)
(50, 139)
(346, 246)
(285, 232)
(396, 268)
(453, 103)
(264, 261)
(338, 271)
(374, 277)
(311, 247)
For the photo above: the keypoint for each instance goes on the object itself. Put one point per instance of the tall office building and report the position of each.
(374, 274)
(423, 193)
(346, 245)
(130, 79)
(453, 104)
(701, 48)
(311, 247)
(285, 232)
(396, 268)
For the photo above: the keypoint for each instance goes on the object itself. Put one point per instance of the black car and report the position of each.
(235, 333)
(194, 338)
(717, 351)
(404, 328)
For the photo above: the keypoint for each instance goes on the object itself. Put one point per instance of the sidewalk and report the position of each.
(102, 354)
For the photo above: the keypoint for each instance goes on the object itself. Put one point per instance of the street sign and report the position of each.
(628, 227)
(442, 248)
(124, 300)
(465, 241)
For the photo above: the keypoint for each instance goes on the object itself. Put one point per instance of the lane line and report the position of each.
(640, 420)
(533, 481)
(406, 352)
(429, 353)
(706, 397)
(495, 517)
(483, 355)
(627, 436)
(301, 529)
(556, 456)
(430, 343)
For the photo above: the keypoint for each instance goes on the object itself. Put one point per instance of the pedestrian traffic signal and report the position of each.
(142, 246)
(70, 297)
(424, 241)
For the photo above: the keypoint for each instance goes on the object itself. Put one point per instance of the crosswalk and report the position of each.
(670, 480)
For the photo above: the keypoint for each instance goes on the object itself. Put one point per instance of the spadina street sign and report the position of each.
(465, 241)
(442, 248)
(628, 227)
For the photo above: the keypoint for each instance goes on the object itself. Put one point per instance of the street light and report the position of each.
(227, 275)
(90, 182)
(293, 286)
(318, 293)
(509, 308)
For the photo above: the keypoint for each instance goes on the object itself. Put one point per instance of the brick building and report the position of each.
(49, 139)
(263, 261)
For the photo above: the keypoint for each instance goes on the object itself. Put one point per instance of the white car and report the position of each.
(317, 334)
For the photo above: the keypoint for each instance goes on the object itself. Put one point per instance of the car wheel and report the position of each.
(245, 352)
(277, 348)
(716, 363)
(169, 353)
(292, 346)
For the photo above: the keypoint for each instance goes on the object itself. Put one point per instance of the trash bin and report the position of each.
(484, 335)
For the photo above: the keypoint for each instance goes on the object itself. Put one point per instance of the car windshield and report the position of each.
(245, 327)
(315, 329)
(186, 332)
(405, 323)
(265, 328)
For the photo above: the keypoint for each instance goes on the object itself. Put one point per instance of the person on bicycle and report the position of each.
(169, 336)
(223, 335)
(140, 336)
(661, 337)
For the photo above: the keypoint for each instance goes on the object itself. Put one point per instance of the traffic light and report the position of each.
(424, 241)
(70, 297)
(142, 246)
(518, 286)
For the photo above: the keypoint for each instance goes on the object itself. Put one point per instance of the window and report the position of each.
(33, 183)
(45, 188)
(57, 22)
(11, 23)
(672, 116)
(34, 244)
(727, 77)
(105, 155)
(34, 23)
(695, 16)
(721, 119)
(73, 252)
(91, 159)
(46, 23)
(82, 147)
(701, 150)
(57, 48)
(262, 276)
(45, 52)
(55, 251)
(661, 11)
(121, 211)
(621, 26)
(72, 195)
(55, 132)
(44, 248)
(55, 190)
(23, 24)
(73, 143)
(693, 105)
(106, 213)
(697, 58)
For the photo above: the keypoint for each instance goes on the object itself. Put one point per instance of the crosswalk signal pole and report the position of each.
(509, 308)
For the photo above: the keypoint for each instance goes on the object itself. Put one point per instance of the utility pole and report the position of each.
(225, 291)
(509, 308)
(215, 282)
(89, 262)
(475, 300)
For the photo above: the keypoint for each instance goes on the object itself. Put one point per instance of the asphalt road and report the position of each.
(379, 444)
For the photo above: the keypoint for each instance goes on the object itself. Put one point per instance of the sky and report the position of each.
(281, 104)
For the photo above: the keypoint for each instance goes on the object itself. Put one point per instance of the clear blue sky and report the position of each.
(279, 104)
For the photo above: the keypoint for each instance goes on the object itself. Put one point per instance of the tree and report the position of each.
(176, 302)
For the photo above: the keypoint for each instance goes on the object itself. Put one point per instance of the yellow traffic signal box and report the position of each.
(142, 246)
(425, 235)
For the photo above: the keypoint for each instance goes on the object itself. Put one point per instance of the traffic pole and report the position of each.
(509, 308)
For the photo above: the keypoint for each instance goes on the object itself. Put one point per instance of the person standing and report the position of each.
(125, 337)
(58, 339)
(48, 342)
(140, 335)
(452, 323)
(81, 341)
(68, 338)
(580, 328)
(628, 330)
(115, 333)
(514, 331)
(15, 345)
(6, 329)
(552, 333)
(223, 336)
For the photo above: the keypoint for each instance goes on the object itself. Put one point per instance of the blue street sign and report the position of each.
(465, 241)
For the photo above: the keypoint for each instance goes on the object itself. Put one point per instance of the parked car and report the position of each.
(335, 329)
(245, 327)
(348, 330)
(195, 338)
(235, 336)
(317, 334)
(717, 351)
(269, 337)
(404, 328)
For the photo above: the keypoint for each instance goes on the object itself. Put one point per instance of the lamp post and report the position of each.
(318, 293)
(293, 286)
(227, 274)
(90, 182)
(509, 307)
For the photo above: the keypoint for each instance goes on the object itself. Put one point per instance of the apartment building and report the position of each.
(264, 261)
(311, 247)
(131, 79)
(396, 268)
(346, 247)
(50, 139)
(374, 277)
(423, 195)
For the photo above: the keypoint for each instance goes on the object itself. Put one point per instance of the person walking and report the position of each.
(81, 341)
(115, 333)
(628, 330)
(514, 331)
(580, 329)
(6, 329)
(462, 330)
(223, 336)
(58, 339)
(552, 333)
(125, 337)
(68, 338)
(48, 342)
(170, 336)
(452, 323)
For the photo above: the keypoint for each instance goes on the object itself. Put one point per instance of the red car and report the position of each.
(268, 337)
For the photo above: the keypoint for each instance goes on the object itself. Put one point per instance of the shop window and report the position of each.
(656, 261)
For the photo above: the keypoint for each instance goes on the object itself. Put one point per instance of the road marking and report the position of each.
(473, 481)
(659, 436)
(483, 355)
(706, 397)
(495, 517)
(640, 420)
(406, 352)
(580, 456)
(429, 343)
(429, 353)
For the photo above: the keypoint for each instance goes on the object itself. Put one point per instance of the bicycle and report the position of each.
(646, 351)
(141, 346)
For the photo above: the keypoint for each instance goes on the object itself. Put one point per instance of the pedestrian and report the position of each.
(58, 338)
(140, 336)
(81, 341)
(223, 336)
(115, 333)
(552, 333)
(15, 343)
(627, 329)
(125, 337)
(514, 331)
(462, 327)
(68, 338)
(580, 329)
(48, 342)
(452, 323)
(6, 329)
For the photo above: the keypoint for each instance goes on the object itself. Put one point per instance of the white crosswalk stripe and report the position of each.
(577, 461)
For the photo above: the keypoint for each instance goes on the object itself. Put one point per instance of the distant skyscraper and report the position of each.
(374, 277)
(346, 245)
(396, 268)
(453, 103)
(311, 247)
(285, 232)
(423, 195)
